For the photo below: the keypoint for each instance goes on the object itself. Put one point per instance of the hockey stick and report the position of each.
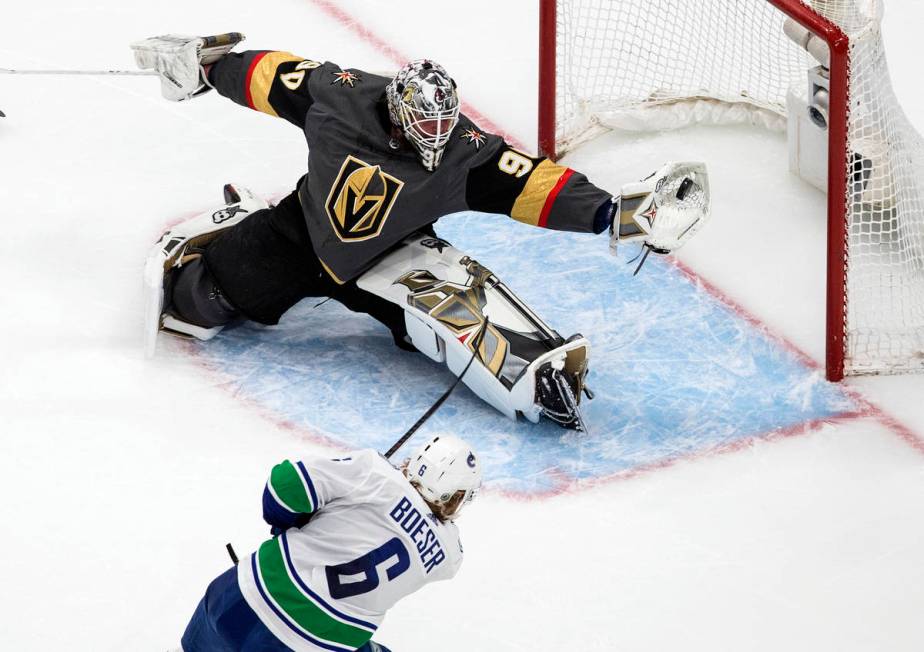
(48, 71)
(436, 406)
(42, 71)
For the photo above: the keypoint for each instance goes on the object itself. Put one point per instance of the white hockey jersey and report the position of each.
(370, 541)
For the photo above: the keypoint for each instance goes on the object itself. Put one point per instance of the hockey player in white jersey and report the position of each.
(352, 536)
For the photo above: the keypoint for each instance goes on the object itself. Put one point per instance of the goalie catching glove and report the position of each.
(179, 60)
(664, 210)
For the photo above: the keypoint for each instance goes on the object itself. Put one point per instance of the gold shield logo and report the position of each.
(360, 200)
(461, 309)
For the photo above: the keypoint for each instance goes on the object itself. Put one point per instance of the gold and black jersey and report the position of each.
(361, 195)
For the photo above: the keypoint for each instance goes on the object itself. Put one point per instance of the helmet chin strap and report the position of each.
(396, 139)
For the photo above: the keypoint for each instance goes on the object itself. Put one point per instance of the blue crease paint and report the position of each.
(675, 371)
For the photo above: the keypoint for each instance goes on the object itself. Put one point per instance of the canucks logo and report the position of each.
(360, 200)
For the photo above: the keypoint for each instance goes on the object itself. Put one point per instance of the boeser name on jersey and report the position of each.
(415, 524)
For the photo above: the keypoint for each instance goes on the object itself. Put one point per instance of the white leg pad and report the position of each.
(444, 311)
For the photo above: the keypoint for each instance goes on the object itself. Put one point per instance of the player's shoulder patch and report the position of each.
(473, 137)
(345, 78)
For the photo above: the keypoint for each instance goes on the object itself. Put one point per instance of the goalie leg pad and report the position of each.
(522, 365)
(180, 246)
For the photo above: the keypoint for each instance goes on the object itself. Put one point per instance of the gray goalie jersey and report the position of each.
(366, 191)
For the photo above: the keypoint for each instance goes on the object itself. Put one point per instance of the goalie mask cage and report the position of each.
(670, 63)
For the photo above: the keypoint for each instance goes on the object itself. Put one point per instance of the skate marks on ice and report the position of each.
(676, 373)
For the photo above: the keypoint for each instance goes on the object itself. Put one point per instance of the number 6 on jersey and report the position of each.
(367, 565)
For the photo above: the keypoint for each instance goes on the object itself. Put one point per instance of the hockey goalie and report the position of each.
(387, 157)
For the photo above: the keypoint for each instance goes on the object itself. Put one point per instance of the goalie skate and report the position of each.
(178, 246)
(522, 366)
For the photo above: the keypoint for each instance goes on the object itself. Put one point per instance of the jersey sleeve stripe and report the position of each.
(249, 77)
(260, 78)
(533, 204)
(301, 614)
(277, 499)
(310, 485)
(270, 602)
(550, 200)
(289, 487)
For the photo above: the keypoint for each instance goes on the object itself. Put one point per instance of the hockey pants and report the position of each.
(224, 622)
(263, 266)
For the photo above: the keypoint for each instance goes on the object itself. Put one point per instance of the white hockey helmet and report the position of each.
(447, 474)
(424, 104)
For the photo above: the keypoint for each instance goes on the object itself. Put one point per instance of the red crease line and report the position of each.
(398, 58)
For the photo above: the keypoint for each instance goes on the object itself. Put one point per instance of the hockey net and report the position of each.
(658, 64)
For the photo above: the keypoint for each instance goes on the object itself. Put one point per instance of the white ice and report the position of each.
(123, 478)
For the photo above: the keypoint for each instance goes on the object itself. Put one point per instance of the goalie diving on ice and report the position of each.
(388, 157)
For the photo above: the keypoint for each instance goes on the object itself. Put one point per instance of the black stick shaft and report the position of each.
(231, 553)
(442, 399)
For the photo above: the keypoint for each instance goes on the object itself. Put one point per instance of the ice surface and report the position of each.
(674, 371)
(123, 478)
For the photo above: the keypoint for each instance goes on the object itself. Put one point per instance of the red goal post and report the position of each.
(841, 25)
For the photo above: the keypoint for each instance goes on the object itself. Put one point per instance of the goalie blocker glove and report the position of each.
(664, 210)
(179, 60)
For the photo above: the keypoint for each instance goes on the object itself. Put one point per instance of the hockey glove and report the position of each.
(179, 61)
(664, 210)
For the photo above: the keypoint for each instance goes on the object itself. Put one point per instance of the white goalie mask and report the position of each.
(424, 105)
(447, 474)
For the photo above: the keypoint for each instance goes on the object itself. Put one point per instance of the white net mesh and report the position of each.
(655, 64)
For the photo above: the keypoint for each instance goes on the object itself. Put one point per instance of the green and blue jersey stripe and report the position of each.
(300, 608)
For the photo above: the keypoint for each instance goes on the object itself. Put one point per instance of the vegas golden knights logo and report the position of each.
(461, 309)
(360, 200)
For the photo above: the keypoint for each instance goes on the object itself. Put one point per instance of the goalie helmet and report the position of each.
(424, 105)
(447, 474)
